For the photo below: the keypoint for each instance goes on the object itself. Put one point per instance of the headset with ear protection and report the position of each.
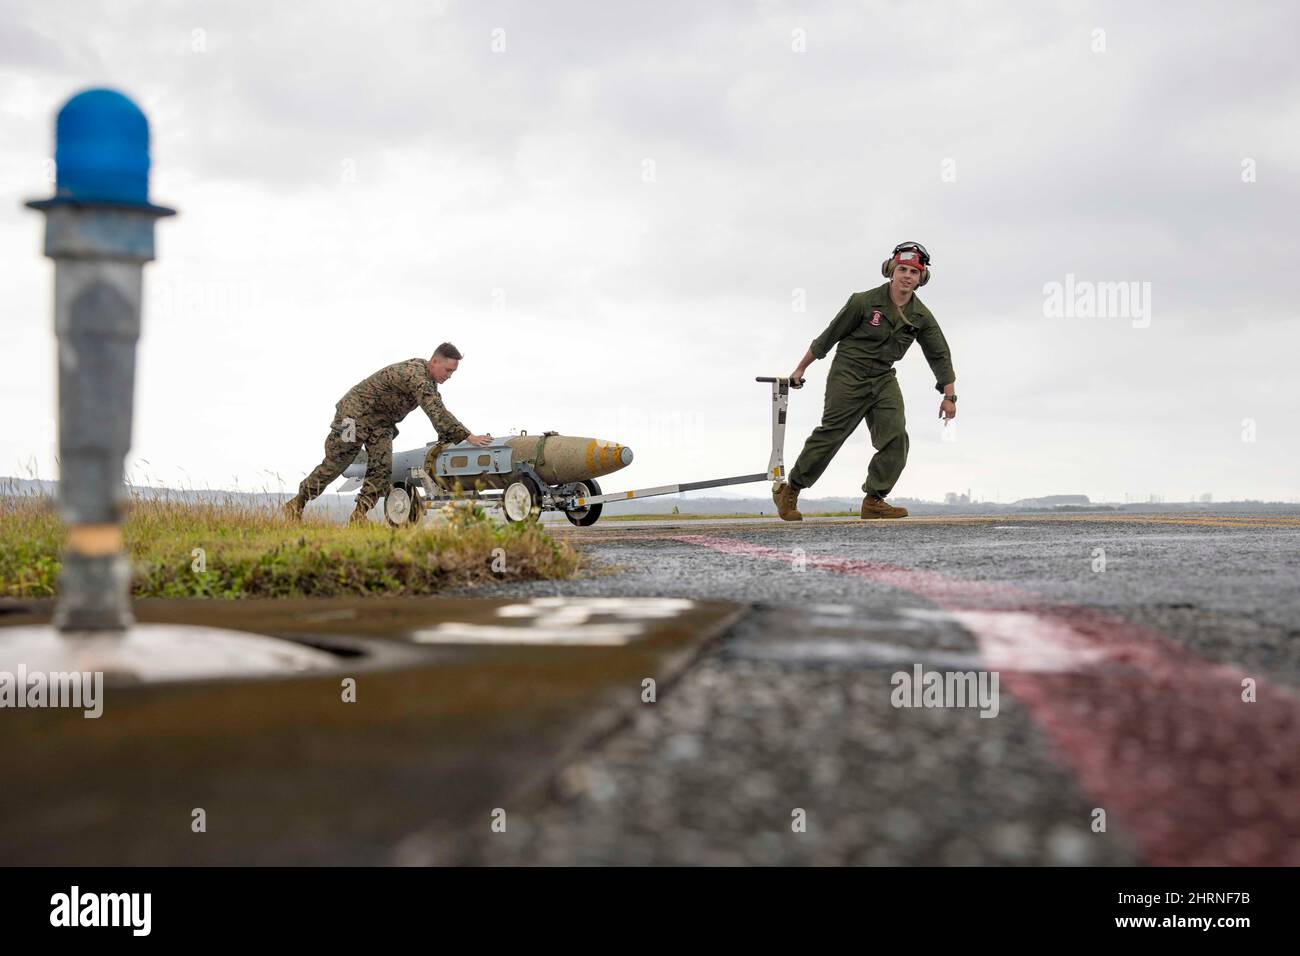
(887, 267)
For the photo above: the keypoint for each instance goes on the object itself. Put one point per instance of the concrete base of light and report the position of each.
(148, 653)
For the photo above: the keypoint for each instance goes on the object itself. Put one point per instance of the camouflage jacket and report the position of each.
(392, 393)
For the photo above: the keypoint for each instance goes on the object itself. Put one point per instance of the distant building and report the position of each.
(1051, 501)
(953, 498)
(1206, 498)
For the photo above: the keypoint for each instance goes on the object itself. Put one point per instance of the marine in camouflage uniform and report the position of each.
(367, 416)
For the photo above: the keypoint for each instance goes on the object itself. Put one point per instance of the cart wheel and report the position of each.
(522, 500)
(401, 506)
(585, 517)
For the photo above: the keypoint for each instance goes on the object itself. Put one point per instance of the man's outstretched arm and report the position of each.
(796, 377)
(936, 351)
(935, 348)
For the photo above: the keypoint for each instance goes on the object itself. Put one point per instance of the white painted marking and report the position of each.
(866, 652)
(835, 622)
(594, 635)
(573, 609)
(839, 609)
(562, 620)
(1022, 640)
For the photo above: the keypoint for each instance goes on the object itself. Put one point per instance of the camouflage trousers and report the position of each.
(377, 438)
(851, 399)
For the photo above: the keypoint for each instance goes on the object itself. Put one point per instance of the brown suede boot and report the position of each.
(787, 502)
(293, 508)
(875, 507)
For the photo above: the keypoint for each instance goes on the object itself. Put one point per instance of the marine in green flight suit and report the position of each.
(872, 332)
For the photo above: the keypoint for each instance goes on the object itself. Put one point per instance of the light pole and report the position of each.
(99, 230)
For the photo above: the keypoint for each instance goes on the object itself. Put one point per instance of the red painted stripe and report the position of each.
(1157, 736)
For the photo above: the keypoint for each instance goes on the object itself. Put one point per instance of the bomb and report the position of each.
(557, 460)
(533, 472)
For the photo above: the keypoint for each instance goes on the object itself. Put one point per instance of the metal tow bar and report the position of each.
(775, 463)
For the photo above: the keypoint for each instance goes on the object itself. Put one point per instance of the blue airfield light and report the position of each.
(102, 154)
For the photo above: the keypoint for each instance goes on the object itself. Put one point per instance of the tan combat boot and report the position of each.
(786, 497)
(875, 507)
(293, 508)
(359, 514)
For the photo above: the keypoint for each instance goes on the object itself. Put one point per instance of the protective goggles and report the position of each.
(913, 247)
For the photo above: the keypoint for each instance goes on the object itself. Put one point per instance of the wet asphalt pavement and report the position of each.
(1146, 713)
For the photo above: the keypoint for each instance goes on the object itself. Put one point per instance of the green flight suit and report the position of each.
(869, 335)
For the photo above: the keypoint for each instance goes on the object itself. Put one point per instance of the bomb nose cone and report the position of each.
(603, 457)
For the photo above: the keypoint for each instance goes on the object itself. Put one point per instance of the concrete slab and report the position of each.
(446, 728)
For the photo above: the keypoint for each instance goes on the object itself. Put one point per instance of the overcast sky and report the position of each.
(615, 210)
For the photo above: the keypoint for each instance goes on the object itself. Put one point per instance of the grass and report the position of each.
(181, 547)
